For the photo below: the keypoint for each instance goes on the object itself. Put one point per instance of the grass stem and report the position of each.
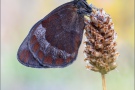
(103, 81)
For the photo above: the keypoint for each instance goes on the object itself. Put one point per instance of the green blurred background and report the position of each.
(18, 16)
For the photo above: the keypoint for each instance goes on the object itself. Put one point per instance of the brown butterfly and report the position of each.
(54, 41)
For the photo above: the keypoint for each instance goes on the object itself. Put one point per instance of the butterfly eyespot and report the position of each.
(68, 59)
(36, 47)
(59, 61)
(33, 39)
(48, 60)
(40, 55)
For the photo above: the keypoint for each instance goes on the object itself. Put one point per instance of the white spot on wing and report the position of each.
(40, 34)
(40, 31)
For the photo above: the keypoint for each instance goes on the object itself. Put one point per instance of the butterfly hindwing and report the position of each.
(25, 56)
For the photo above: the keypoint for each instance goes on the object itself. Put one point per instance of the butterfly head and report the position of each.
(83, 7)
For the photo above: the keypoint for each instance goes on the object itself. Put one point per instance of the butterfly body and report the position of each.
(54, 41)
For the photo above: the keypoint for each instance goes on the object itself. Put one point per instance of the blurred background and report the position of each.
(17, 18)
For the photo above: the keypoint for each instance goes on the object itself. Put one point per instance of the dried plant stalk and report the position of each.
(103, 82)
(100, 42)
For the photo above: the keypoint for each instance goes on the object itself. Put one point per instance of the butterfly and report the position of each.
(53, 42)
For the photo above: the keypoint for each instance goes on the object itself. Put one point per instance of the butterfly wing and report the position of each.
(25, 57)
(55, 40)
